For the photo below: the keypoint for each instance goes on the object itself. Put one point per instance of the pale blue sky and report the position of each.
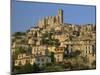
(26, 14)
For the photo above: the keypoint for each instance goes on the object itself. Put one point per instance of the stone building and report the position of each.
(58, 54)
(52, 21)
(40, 60)
(71, 38)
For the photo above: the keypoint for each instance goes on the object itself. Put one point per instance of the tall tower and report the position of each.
(60, 16)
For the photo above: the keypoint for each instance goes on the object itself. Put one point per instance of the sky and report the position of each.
(26, 14)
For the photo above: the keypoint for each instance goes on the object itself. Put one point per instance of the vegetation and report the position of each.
(28, 68)
(71, 54)
(47, 39)
(19, 34)
(72, 60)
(52, 57)
(19, 50)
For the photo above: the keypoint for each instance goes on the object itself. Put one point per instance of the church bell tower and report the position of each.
(60, 16)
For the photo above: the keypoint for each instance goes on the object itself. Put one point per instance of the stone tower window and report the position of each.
(55, 20)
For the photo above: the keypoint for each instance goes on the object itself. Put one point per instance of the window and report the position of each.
(58, 56)
(40, 53)
(27, 61)
(86, 51)
(86, 47)
(89, 51)
(20, 63)
(42, 59)
(54, 20)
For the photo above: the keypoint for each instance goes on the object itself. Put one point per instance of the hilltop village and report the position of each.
(51, 41)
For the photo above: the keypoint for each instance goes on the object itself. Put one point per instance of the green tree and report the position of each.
(35, 68)
(52, 57)
(29, 50)
(25, 69)
(19, 34)
(77, 53)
